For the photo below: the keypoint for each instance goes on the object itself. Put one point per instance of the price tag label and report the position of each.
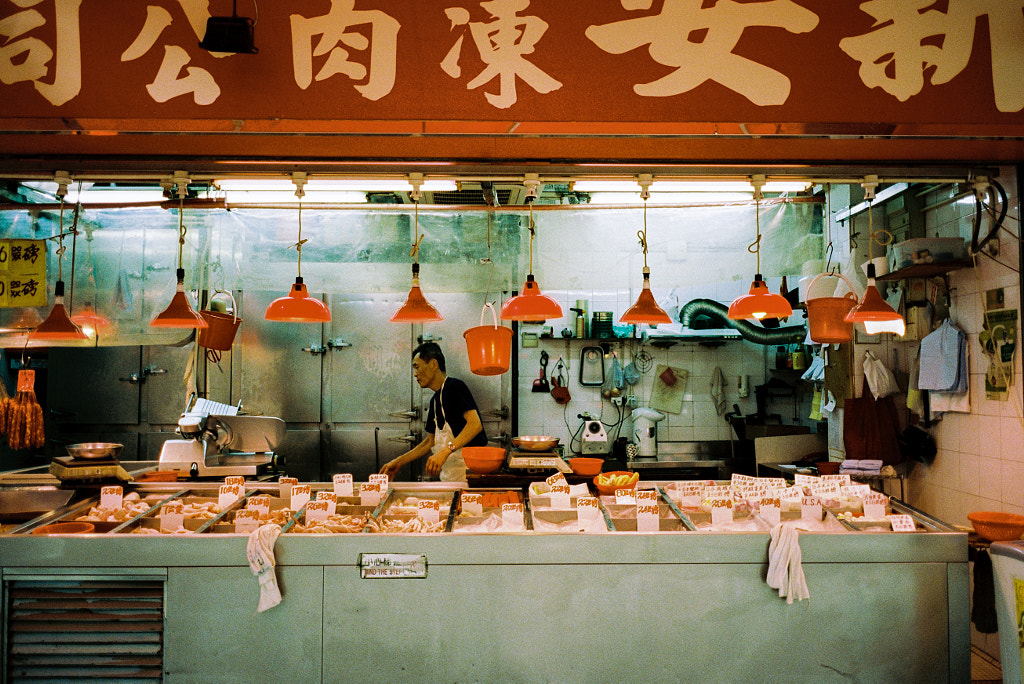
(772, 482)
(647, 517)
(379, 479)
(111, 497)
(646, 496)
(902, 523)
(721, 511)
(247, 520)
(369, 494)
(317, 511)
(285, 485)
(770, 509)
(235, 480)
(805, 480)
(472, 504)
(556, 479)
(331, 499)
(625, 496)
(260, 504)
(560, 495)
(855, 490)
(299, 497)
(694, 488)
(755, 491)
(791, 493)
(718, 492)
(874, 505)
(429, 510)
(810, 508)
(229, 494)
(740, 480)
(587, 511)
(512, 514)
(342, 484)
(842, 478)
(172, 516)
(826, 489)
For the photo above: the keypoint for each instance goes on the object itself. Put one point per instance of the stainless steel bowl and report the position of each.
(95, 450)
(535, 442)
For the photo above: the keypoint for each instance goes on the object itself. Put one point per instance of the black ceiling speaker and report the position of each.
(230, 34)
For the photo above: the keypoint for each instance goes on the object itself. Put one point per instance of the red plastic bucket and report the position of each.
(825, 315)
(221, 328)
(489, 346)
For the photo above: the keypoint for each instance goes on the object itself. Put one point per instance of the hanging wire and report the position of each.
(642, 234)
(181, 226)
(488, 260)
(755, 246)
(830, 249)
(873, 235)
(415, 251)
(300, 193)
(532, 230)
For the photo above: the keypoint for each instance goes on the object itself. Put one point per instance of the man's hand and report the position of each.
(435, 462)
(391, 468)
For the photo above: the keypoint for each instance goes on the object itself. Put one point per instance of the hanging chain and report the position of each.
(415, 251)
(181, 227)
(642, 234)
(755, 246)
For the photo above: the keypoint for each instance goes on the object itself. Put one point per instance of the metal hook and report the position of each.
(828, 257)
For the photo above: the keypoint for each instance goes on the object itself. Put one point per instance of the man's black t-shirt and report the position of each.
(455, 399)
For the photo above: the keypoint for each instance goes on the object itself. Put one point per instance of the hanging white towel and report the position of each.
(944, 360)
(260, 552)
(718, 390)
(785, 569)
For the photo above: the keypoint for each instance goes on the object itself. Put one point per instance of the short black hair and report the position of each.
(430, 351)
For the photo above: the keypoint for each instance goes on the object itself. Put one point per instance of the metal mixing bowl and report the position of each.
(535, 442)
(95, 450)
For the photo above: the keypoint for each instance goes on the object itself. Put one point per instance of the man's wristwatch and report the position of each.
(451, 446)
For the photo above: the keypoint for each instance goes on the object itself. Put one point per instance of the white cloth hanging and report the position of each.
(259, 550)
(785, 567)
(718, 390)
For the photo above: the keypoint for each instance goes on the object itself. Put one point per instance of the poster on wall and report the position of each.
(22, 273)
(1018, 590)
(998, 340)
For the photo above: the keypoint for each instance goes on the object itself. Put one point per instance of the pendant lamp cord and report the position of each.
(532, 231)
(300, 192)
(642, 234)
(181, 225)
(415, 251)
(874, 236)
(755, 246)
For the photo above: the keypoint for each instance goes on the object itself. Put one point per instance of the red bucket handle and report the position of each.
(234, 305)
(853, 290)
(494, 316)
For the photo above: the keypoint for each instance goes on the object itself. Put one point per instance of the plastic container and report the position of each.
(483, 459)
(825, 315)
(997, 526)
(927, 251)
(221, 328)
(489, 346)
(72, 527)
(586, 467)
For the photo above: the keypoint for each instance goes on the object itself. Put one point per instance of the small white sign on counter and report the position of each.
(111, 497)
(472, 503)
(842, 478)
(855, 490)
(559, 495)
(299, 497)
(285, 487)
(805, 480)
(810, 508)
(247, 520)
(332, 501)
(874, 505)
(512, 514)
(392, 566)
(369, 494)
(556, 479)
(379, 479)
(625, 497)
(343, 484)
(587, 511)
(228, 494)
(428, 510)
(260, 504)
(770, 510)
(721, 510)
(317, 511)
(902, 523)
(647, 515)
(172, 516)
(235, 480)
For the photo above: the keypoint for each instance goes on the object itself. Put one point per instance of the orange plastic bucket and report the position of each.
(489, 346)
(221, 328)
(825, 315)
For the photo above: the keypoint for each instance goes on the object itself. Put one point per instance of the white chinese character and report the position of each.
(501, 44)
(169, 83)
(906, 42)
(25, 58)
(332, 28)
(698, 41)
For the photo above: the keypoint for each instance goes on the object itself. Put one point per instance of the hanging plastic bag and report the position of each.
(880, 379)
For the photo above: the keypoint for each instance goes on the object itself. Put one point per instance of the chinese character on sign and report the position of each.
(30, 253)
(501, 44)
(336, 39)
(169, 82)
(907, 41)
(24, 288)
(27, 58)
(698, 42)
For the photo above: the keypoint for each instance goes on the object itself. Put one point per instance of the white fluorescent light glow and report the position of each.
(687, 186)
(312, 185)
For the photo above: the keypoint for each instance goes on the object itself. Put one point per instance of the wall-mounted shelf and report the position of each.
(927, 270)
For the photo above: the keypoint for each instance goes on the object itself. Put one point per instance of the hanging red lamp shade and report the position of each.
(874, 313)
(298, 306)
(58, 325)
(646, 309)
(530, 304)
(759, 303)
(416, 308)
(179, 313)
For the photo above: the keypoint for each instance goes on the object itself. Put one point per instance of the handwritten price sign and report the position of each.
(331, 499)
(810, 508)
(902, 523)
(285, 487)
(556, 479)
(235, 480)
(342, 484)
(472, 504)
(512, 514)
(228, 494)
(260, 504)
(379, 479)
(111, 497)
(316, 511)
(171, 516)
(625, 497)
(300, 496)
(429, 510)
(369, 494)
(647, 517)
(247, 520)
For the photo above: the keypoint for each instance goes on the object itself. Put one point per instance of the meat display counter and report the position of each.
(508, 603)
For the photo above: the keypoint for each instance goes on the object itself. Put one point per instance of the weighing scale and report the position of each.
(531, 461)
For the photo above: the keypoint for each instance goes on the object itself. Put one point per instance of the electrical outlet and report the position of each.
(617, 400)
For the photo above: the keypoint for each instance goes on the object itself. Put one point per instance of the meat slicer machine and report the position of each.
(218, 442)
